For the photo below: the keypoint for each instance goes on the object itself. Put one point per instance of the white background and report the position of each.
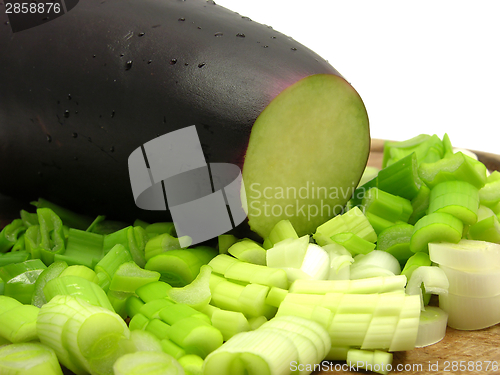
(420, 66)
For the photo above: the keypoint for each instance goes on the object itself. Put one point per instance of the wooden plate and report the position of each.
(474, 349)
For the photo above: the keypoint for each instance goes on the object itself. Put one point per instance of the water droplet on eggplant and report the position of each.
(128, 65)
(218, 34)
(66, 113)
(141, 34)
(240, 35)
(181, 19)
(173, 61)
(74, 135)
(49, 138)
(201, 65)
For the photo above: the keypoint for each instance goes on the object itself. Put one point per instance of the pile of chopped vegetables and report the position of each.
(104, 297)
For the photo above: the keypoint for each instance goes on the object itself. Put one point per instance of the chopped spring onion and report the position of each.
(282, 230)
(455, 166)
(52, 239)
(10, 234)
(229, 323)
(381, 284)
(156, 229)
(388, 207)
(321, 339)
(435, 227)
(288, 253)
(31, 358)
(14, 257)
(253, 353)
(86, 338)
(54, 270)
(110, 263)
(432, 326)
(153, 291)
(466, 255)
(420, 204)
(489, 194)
(195, 336)
(487, 227)
(248, 251)
(274, 348)
(172, 348)
(19, 323)
(197, 293)
(180, 267)
(129, 276)
(255, 273)
(161, 244)
(276, 296)
(179, 311)
(353, 221)
(77, 287)
(147, 363)
(20, 278)
(83, 248)
(145, 341)
(458, 198)
(401, 178)
(257, 321)
(395, 150)
(353, 243)
(225, 241)
(80, 271)
(376, 361)
(192, 364)
(415, 261)
(396, 241)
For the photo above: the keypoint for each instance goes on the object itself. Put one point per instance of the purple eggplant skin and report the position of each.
(78, 94)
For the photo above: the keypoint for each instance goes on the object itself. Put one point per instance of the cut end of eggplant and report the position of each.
(306, 154)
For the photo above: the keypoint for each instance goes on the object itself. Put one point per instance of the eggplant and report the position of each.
(80, 93)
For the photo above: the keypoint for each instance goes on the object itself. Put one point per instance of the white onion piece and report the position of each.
(367, 271)
(316, 262)
(433, 278)
(377, 258)
(340, 262)
(467, 255)
(431, 327)
(473, 283)
(470, 313)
